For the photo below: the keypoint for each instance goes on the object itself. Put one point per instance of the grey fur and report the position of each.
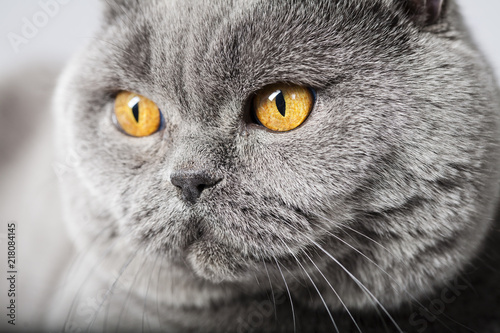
(402, 147)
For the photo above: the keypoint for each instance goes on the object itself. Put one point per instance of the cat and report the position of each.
(373, 213)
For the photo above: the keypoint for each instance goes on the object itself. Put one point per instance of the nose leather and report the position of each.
(192, 183)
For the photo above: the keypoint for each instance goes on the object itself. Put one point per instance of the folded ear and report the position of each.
(425, 12)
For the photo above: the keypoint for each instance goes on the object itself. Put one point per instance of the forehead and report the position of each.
(202, 52)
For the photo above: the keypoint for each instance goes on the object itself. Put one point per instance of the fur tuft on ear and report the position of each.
(425, 12)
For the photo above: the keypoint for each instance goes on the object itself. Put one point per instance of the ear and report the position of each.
(426, 12)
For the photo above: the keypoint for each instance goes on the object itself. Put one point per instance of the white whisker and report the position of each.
(107, 252)
(111, 289)
(335, 292)
(289, 294)
(401, 288)
(356, 280)
(314, 285)
(147, 291)
(272, 290)
(361, 285)
(157, 292)
(137, 273)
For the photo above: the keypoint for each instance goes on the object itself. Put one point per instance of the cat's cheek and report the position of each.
(117, 147)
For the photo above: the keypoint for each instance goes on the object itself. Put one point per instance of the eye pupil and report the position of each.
(135, 111)
(282, 107)
(136, 115)
(281, 104)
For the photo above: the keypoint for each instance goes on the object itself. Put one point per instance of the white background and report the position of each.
(75, 22)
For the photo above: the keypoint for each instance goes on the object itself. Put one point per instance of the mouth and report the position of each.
(215, 262)
(194, 245)
(214, 249)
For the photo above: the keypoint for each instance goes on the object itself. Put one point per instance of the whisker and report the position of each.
(106, 315)
(335, 292)
(403, 289)
(272, 290)
(356, 280)
(107, 252)
(147, 291)
(137, 273)
(289, 294)
(157, 292)
(314, 285)
(297, 279)
(80, 258)
(111, 289)
(365, 236)
(361, 285)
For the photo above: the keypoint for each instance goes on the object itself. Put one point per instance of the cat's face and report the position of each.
(396, 161)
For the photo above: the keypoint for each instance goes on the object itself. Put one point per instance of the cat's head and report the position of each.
(392, 176)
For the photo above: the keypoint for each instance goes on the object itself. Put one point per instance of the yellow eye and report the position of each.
(282, 107)
(136, 115)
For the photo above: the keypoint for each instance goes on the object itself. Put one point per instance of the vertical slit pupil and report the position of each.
(135, 111)
(281, 104)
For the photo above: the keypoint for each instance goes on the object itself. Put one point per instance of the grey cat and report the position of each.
(373, 215)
